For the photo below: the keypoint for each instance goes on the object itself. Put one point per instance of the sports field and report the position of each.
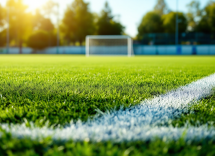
(43, 97)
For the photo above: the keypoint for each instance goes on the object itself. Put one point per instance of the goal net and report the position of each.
(109, 45)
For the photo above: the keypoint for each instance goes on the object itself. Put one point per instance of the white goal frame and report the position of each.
(129, 42)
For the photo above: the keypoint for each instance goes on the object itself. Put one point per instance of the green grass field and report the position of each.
(53, 90)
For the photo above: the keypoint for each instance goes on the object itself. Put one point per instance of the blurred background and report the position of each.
(60, 27)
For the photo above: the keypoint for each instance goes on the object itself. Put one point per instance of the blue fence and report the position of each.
(175, 50)
(138, 50)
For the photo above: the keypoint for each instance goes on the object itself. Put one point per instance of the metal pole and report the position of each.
(129, 47)
(176, 30)
(58, 32)
(8, 32)
(87, 46)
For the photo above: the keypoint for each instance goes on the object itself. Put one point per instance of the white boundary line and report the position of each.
(136, 123)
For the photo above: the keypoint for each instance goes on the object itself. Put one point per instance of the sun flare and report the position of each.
(34, 4)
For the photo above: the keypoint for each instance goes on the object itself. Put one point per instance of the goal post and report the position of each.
(109, 45)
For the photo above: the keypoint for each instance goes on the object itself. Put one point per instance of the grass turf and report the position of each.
(16, 147)
(23, 146)
(61, 88)
(199, 114)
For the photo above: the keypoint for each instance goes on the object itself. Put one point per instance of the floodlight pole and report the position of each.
(58, 32)
(8, 31)
(176, 29)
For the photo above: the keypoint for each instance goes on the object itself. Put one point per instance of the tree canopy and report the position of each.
(78, 21)
(210, 14)
(169, 22)
(2, 21)
(161, 7)
(36, 40)
(106, 25)
(42, 23)
(193, 15)
(151, 23)
(48, 8)
(2, 15)
(206, 23)
(3, 38)
(19, 21)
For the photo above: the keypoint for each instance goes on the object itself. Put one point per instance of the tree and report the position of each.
(207, 22)
(210, 13)
(203, 25)
(48, 8)
(3, 37)
(2, 16)
(2, 23)
(42, 23)
(161, 7)
(19, 21)
(169, 22)
(106, 24)
(194, 13)
(68, 26)
(45, 24)
(36, 40)
(151, 23)
(77, 22)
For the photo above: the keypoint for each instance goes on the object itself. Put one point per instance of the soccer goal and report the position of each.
(109, 45)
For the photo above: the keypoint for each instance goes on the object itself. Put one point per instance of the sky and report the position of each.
(129, 12)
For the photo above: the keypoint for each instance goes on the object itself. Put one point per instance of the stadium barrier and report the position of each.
(174, 50)
(52, 50)
(138, 50)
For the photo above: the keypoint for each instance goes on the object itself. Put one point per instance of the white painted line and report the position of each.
(136, 123)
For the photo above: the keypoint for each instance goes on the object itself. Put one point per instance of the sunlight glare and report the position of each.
(34, 4)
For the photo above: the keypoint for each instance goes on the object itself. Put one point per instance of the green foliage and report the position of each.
(151, 23)
(20, 22)
(2, 30)
(43, 31)
(42, 23)
(3, 38)
(161, 7)
(207, 20)
(38, 40)
(106, 24)
(210, 13)
(2, 15)
(77, 22)
(203, 25)
(61, 88)
(169, 22)
(48, 8)
(194, 12)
